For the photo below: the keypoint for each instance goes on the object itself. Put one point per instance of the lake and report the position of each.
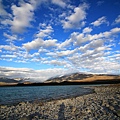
(13, 95)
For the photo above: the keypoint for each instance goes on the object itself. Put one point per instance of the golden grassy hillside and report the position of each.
(96, 78)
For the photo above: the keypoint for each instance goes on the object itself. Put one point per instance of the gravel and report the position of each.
(103, 104)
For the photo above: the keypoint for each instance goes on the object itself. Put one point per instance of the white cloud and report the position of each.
(106, 34)
(79, 38)
(60, 3)
(34, 75)
(38, 42)
(43, 50)
(23, 15)
(95, 62)
(8, 56)
(115, 30)
(50, 43)
(2, 10)
(112, 32)
(76, 19)
(35, 44)
(62, 15)
(86, 49)
(87, 30)
(92, 45)
(6, 22)
(66, 53)
(10, 37)
(56, 62)
(100, 21)
(4, 15)
(9, 47)
(117, 20)
(45, 31)
(64, 44)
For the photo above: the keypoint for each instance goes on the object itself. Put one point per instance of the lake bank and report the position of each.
(104, 103)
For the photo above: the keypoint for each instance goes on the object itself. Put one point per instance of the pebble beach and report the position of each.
(102, 104)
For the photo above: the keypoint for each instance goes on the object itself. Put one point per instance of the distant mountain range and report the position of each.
(68, 77)
(10, 81)
(74, 78)
(80, 77)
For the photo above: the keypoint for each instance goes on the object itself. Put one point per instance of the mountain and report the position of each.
(80, 77)
(69, 77)
(9, 81)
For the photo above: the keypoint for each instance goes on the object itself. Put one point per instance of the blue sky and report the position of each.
(43, 38)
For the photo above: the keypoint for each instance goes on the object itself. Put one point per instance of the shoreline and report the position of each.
(74, 82)
(104, 103)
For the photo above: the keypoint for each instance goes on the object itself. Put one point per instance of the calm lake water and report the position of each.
(12, 95)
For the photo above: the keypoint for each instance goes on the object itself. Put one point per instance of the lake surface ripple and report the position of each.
(13, 95)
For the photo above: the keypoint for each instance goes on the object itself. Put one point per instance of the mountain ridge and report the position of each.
(68, 79)
(81, 77)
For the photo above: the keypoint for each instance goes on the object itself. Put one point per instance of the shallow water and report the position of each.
(12, 95)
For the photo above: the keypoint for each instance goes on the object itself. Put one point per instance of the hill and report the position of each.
(78, 77)
(8, 81)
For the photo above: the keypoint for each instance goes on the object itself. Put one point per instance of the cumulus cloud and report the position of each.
(85, 53)
(10, 37)
(8, 56)
(38, 42)
(45, 31)
(87, 30)
(10, 47)
(4, 15)
(100, 21)
(81, 49)
(23, 15)
(117, 20)
(56, 62)
(2, 9)
(112, 32)
(95, 62)
(60, 3)
(92, 45)
(33, 75)
(76, 19)
(79, 38)
(64, 44)
(66, 53)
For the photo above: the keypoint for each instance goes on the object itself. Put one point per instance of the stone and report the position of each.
(89, 111)
(3, 106)
(111, 108)
(100, 106)
(24, 118)
(73, 109)
(118, 113)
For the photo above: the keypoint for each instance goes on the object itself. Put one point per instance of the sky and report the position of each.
(40, 39)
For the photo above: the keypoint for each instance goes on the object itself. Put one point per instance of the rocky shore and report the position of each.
(103, 104)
